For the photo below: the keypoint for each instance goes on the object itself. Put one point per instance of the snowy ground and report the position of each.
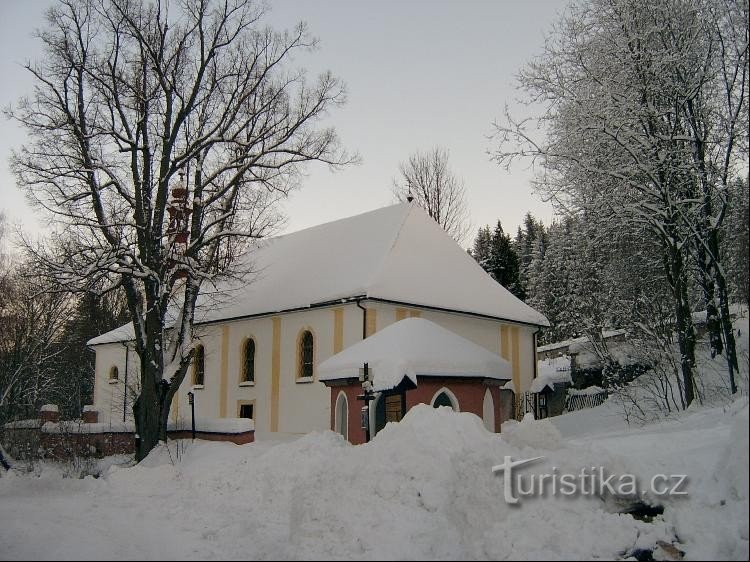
(423, 489)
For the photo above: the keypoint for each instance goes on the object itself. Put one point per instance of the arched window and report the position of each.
(248, 361)
(199, 366)
(445, 397)
(306, 355)
(341, 424)
(114, 373)
(488, 411)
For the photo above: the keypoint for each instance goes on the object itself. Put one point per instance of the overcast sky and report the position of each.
(418, 74)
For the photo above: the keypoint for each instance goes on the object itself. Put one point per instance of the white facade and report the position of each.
(298, 407)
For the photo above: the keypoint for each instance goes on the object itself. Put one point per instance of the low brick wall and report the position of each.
(62, 446)
(48, 437)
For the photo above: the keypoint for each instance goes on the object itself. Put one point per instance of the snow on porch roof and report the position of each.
(397, 253)
(410, 348)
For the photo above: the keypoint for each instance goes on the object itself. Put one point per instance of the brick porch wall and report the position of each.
(469, 392)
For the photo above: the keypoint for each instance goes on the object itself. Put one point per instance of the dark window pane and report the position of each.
(246, 411)
(249, 361)
(306, 355)
(199, 367)
(443, 400)
(380, 414)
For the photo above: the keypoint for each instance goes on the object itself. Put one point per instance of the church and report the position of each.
(316, 293)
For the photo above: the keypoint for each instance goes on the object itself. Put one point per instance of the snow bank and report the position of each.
(736, 459)
(422, 489)
(538, 434)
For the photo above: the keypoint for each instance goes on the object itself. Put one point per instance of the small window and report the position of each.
(306, 355)
(248, 361)
(114, 373)
(341, 422)
(199, 366)
(443, 399)
(246, 411)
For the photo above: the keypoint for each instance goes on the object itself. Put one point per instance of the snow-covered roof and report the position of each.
(588, 391)
(410, 348)
(121, 334)
(396, 253)
(551, 371)
(577, 343)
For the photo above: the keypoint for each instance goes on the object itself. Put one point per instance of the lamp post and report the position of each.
(191, 401)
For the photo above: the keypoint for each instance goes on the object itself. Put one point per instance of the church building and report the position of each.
(319, 291)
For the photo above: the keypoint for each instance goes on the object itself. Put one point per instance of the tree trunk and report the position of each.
(686, 341)
(147, 412)
(708, 287)
(684, 324)
(728, 332)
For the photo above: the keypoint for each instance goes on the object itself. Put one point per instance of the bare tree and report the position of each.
(641, 100)
(4, 260)
(429, 179)
(161, 133)
(31, 322)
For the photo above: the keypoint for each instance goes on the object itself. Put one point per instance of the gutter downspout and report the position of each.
(536, 372)
(364, 318)
(125, 393)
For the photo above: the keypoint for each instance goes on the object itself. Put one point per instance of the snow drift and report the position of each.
(422, 488)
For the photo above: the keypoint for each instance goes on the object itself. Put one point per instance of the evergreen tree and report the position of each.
(494, 252)
(482, 248)
(526, 244)
(92, 316)
(549, 286)
(736, 237)
(504, 266)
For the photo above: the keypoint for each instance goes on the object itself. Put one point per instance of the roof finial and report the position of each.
(409, 196)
